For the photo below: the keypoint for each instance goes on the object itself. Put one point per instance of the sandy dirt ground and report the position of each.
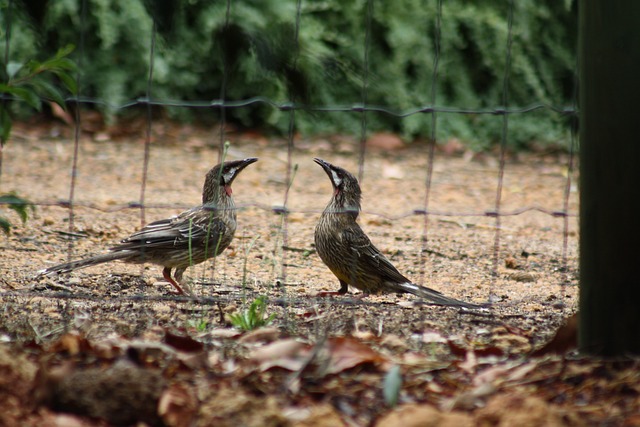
(454, 252)
(530, 276)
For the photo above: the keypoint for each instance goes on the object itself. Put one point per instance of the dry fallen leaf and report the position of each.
(68, 420)
(345, 353)
(183, 343)
(288, 354)
(516, 344)
(471, 399)
(565, 339)
(71, 343)
(234, 407)
(322, 415)
(177, 406)
(394, 341)
(517, 410)
(429, 337)
(423, 416)
(224, 333)
(340, 354)
(503, 372)
(265, 334)
(470, 362)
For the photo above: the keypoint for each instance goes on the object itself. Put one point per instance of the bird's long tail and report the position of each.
(83, 263)
(433, 296)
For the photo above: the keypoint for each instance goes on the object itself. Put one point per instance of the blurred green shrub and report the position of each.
(30, 82)
(195, 46)
(33, 81)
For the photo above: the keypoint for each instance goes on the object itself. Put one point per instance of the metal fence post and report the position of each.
(609, 62)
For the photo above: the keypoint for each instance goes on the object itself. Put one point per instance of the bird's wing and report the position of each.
(190, 228)
(368, 256)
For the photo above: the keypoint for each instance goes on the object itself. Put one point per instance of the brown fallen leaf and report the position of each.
(457, 346)
(470, 362)
(107, 350)
(71, 343)
(233, 407)
(224, 333)
(183, 343)
(423, 416)
(470, 400)
(565, 339)
(345, 353)
(430, 337)
(287, 354)
(336, 355)
(518, 410)
(512, 343)
(394, 341)
(322, 415)
(265, 334)
(177, 406)
(508, 371)
(68, 420)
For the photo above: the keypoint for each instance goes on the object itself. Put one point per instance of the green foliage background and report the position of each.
(258, 52)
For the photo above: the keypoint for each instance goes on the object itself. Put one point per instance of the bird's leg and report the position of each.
(344, 288)
(178, 276)
(166, 273)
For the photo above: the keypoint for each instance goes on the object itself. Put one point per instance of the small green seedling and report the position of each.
(19, 205)
(253, 317)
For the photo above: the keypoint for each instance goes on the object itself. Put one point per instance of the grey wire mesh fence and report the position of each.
(292, 106)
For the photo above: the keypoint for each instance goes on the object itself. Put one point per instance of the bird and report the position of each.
(348, 252)
(181, 241)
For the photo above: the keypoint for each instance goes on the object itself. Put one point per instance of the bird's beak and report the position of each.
(234, 168)
(246, 162)
(240, 165)
(325, 165)
(329, 170)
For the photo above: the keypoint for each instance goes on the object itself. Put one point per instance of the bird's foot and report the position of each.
(179, 290)
(325, 294)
